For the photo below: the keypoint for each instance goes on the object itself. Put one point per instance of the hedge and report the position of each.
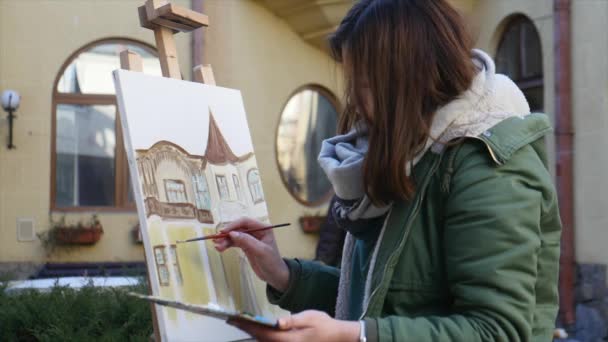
(66, 314)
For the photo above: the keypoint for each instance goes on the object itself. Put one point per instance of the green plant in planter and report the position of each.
(62, 233)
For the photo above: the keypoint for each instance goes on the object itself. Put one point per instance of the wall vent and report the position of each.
(25, 230)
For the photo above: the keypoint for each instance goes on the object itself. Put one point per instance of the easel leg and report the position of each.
(130, 60)
(204, 74)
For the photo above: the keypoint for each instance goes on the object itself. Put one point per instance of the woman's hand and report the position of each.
(306, 326)
(261, 250)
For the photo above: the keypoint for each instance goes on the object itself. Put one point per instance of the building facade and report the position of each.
(268, 49)
(69, 161)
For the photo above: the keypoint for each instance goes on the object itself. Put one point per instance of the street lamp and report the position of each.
(10, 103)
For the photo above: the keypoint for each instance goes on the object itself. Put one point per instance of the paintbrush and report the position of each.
(225, 235)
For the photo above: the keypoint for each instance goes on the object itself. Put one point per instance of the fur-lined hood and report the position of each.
(491, 99)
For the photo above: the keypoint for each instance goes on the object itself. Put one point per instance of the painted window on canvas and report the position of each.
(255, 185)
(237, 186)
(175, 191)
(201, 192)
(176, 267)
(222, 187)
(162, 269)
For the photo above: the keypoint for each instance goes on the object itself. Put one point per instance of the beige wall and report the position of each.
(589, 89)
(254, 51)
(36, 38)
(250, 49)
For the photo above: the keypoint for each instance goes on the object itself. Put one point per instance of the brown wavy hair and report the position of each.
(406, 58)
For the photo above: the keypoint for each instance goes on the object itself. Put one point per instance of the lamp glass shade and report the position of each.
(10, 100)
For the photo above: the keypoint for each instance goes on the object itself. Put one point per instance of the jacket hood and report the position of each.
(491, 99)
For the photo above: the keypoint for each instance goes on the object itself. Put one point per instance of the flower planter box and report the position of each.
(78, 236)
(312, 224)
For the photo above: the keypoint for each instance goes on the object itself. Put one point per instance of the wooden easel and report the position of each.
(166, 19)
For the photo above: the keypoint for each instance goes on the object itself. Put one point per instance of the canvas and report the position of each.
(193, 170)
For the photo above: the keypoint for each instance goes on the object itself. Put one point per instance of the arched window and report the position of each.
(520, 57)
(255, 185)
(89, 168)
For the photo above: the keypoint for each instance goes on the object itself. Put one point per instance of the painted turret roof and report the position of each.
(218, 151)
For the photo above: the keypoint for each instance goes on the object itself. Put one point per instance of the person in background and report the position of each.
(441, 179)
(331, 239)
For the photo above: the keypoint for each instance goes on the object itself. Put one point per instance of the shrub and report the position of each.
(65, 314)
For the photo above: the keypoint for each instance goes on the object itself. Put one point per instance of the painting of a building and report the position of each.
(206, 192)
(178, 185)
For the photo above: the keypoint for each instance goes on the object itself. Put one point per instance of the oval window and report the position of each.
(309, 117)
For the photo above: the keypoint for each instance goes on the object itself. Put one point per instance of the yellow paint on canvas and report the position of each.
(155, 233)
(194, 288)
(218, 272)
(230, 260)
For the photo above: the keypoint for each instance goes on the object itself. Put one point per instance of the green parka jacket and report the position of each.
(472, 257)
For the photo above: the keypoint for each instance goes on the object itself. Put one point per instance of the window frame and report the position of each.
(165, 264)
(121, 168)
(237, 186)
(219, 187)
(206, 194)
(251, 187)
(523, 83)
(331, 97)
(178, 182)
(176, 266)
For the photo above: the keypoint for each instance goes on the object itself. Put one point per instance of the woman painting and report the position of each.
(441, 179)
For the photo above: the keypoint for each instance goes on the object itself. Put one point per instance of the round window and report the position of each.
(309, 117)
